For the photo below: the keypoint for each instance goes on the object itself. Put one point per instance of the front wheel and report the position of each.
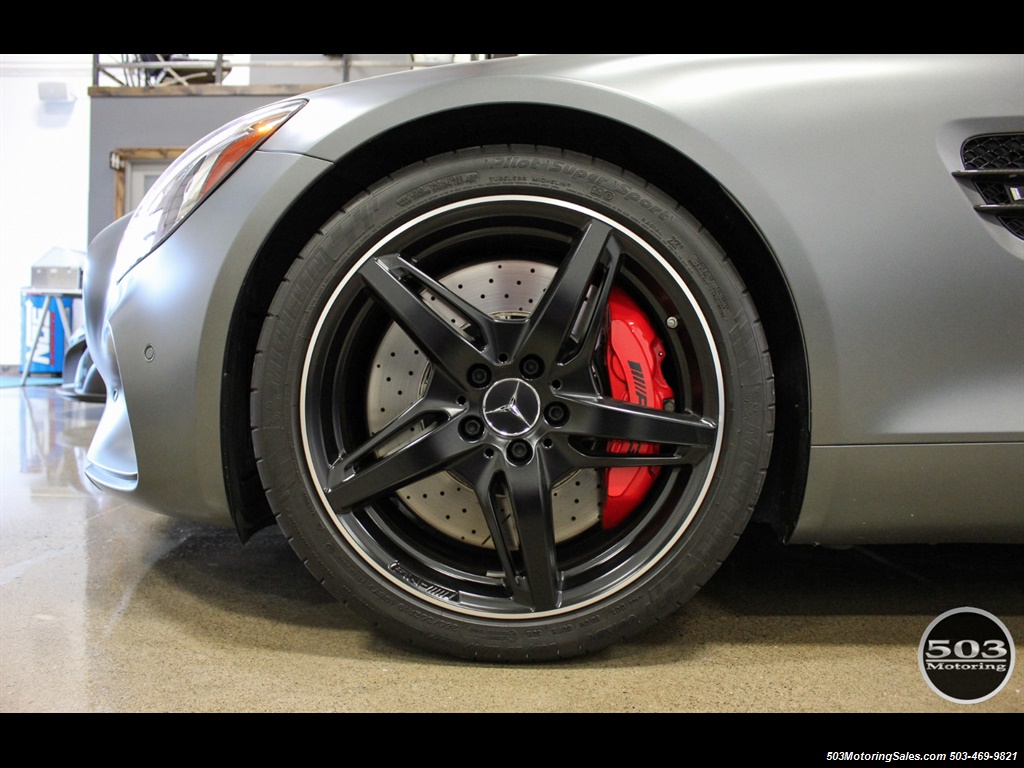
(512, 404)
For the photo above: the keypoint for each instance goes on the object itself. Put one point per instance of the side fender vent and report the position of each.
(995, 165)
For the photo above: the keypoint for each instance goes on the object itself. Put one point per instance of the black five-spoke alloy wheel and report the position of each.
(436, 419)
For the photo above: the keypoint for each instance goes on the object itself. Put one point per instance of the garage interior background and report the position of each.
(57, 186)
(783, 645)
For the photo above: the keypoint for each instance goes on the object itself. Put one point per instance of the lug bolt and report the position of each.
(479, 376)
(531, 367)
(519, 452)
(471, 428)
(556, 414)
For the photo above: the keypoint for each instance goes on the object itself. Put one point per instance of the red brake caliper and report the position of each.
(634, 357)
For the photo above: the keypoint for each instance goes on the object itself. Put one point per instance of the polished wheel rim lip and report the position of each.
(393, 571)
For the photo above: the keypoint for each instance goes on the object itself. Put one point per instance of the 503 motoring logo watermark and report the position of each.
(966, 655)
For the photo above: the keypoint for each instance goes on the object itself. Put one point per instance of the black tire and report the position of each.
(386, 355)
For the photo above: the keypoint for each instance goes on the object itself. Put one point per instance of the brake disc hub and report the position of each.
(399, 375)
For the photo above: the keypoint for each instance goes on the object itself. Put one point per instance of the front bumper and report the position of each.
(158, 338)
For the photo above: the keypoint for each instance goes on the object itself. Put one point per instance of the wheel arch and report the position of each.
(517, 123)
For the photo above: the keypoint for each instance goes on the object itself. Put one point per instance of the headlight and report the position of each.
(192, 177)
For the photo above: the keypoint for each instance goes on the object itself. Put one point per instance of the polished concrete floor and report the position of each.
(106, 607)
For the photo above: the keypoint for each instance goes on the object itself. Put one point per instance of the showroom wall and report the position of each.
(44, 172)
(56, 186)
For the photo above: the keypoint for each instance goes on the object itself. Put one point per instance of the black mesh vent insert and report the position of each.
(994, 153)
(995, 164)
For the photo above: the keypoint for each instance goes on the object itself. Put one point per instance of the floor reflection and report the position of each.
(108, 607)
(53, 436)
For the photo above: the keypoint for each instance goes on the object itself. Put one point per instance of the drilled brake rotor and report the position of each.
(398, 378)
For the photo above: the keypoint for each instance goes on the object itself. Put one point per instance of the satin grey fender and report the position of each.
(163, 339)
(809, 176)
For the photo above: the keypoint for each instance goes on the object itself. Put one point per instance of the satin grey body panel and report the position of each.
(911, 304)
(844, 164)
(177, 302)
(878, 494)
